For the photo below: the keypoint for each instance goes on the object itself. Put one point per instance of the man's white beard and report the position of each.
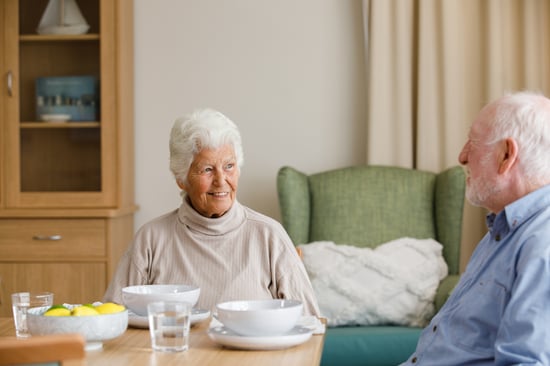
(479, 191)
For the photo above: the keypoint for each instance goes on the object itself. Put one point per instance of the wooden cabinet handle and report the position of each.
(46, 237)
(9, 82)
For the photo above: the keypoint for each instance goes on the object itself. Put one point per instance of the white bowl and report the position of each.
(137, 297)
(94, 328)
(260, 317)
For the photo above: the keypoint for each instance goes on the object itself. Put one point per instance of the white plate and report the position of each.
(55, 117)
(138, 321)
(228, 338)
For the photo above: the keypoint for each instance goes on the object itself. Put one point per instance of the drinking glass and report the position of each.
(21, 303)
(169, 324)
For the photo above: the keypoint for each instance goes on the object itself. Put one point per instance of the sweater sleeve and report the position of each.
(292, 280)
(295, 284)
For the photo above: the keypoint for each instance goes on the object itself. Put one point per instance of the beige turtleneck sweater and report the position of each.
(242, 255)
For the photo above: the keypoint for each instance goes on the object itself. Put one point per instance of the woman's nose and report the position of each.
(219, 176)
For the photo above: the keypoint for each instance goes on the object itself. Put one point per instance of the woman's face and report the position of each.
(212, 181)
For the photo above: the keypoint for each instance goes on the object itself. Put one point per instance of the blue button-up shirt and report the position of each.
(499, 312)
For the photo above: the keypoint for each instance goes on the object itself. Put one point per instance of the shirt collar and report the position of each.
(517, 212)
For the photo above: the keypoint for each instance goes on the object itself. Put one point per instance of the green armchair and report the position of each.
(366, 206)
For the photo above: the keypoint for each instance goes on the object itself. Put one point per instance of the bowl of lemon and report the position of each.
(97, 322)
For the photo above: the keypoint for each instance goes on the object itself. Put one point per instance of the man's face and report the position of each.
(480, 160)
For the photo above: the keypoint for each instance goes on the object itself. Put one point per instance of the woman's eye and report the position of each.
(229, 166)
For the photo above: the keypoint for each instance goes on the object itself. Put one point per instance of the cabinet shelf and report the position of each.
(89, 124)
(57, 37)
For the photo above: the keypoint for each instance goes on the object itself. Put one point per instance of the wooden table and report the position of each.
(134, 348)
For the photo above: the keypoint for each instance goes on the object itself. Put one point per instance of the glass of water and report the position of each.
(21, 303)
(169, 324)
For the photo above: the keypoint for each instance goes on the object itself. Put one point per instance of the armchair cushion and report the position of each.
(392, 284)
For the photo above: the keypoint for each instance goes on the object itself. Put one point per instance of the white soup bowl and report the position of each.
(260, 317)
(136, 298)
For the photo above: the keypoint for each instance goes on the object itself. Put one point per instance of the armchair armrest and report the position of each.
(444, 290)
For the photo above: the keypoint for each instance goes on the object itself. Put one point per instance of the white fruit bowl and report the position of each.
(94, 328)
(260, 317)
(137, 297)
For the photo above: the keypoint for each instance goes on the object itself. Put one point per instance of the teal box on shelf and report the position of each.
(72, 98)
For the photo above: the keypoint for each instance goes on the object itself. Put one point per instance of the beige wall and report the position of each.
(289, 73)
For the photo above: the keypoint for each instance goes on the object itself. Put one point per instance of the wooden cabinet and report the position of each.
(66, 187)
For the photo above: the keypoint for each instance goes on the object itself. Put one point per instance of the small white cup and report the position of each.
(21, 303)
(169, 324)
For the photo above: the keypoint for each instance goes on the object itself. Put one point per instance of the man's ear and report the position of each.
(509, 156)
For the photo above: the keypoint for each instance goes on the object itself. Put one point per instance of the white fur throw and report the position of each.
(394, 283)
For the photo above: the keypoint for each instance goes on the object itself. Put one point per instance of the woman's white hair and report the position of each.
(525, 117)
(204, 128)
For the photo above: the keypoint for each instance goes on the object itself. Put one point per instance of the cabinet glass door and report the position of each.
(55, 117)
(57, 154)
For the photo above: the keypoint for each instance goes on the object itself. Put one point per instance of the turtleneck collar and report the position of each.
(230, 221)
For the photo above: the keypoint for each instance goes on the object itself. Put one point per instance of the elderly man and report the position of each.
(499, 313)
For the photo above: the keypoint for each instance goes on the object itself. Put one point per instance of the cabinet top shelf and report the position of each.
(90, 124)
(58, 37)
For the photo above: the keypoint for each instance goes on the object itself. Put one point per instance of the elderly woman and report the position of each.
(212, 241)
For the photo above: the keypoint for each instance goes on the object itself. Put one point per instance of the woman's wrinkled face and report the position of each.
(212, 181)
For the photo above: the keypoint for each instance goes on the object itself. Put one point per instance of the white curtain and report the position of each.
(432, 64)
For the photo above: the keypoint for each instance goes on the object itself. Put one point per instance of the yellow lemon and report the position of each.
(84, 310)
(58, 310)
(109, 308)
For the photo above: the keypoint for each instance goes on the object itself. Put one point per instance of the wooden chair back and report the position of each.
(57, 349)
